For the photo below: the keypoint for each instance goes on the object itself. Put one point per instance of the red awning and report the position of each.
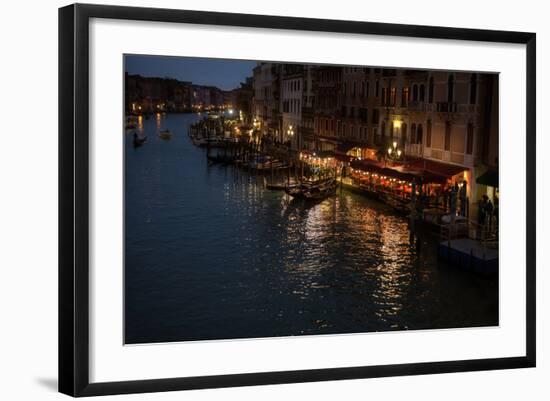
(325, 138)
(400, 175)
(342, 158)
(431, 168)
(430, 171)
(345, 147)
(366, 165)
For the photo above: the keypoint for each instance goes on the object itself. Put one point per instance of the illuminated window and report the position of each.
(405, 96)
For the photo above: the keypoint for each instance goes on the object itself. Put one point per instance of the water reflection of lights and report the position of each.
(341, 238)
(329, 244)
(343, 265)
(140, 123)
(158, 120)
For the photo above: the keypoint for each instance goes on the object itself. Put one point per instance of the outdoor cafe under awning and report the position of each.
(489, 178)
(436, 168)
(435, 171)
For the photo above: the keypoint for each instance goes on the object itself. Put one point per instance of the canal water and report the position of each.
(211, 254)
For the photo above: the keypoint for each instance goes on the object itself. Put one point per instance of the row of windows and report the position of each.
(363, 90)
(292, 106)
(356, 69)
(418, 91)
(328, 76)
(360, 112)
(342, 129)
(264, 92)
(415, 136)
(292, 86)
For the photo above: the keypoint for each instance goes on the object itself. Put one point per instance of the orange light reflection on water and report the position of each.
(372, 242)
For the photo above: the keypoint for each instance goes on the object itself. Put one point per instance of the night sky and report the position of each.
(225, 74)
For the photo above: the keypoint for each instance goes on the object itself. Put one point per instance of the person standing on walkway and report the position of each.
(482, 210)
(453, 203)
(463, 199)
(489, 208)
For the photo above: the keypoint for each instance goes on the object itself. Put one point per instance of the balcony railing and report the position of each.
(467, 108)
(414, 149)
(446, 107)
(417, 106)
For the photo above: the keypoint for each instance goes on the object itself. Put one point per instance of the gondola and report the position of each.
(139, 141)
(223, 159)
(165, 134)
(312, 190)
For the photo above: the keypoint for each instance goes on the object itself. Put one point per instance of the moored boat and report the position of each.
(223, 159)
(200, 141)
(137, 141)
(317, 190)
(165, 134)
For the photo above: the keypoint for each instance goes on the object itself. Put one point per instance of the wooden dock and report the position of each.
(469, 254)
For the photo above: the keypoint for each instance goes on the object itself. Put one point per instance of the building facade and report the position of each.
(444, 117)
(291, 89)
(266, 99)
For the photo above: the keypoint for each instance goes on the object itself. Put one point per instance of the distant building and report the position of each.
(307, 123)
(292, 87)
(149, 95)
(326, 109)
(266, 84)
(242, 100)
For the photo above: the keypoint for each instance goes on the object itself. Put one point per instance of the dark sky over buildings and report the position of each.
(225, 74)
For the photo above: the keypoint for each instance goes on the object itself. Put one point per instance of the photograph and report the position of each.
(269, 199)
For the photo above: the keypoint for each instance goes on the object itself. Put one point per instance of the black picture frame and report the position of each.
(74, 198)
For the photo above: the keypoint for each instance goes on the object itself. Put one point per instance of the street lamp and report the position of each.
(290, 131)
(393, 152)
(290, 134)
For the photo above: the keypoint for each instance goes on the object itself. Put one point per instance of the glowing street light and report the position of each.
(290, 131)
(393, 152)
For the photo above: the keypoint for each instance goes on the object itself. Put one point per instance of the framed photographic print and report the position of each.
(249, 199)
